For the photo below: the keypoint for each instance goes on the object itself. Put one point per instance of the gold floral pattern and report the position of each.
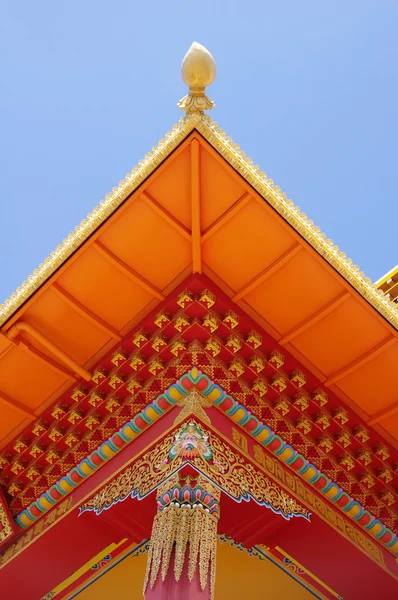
(227, 469)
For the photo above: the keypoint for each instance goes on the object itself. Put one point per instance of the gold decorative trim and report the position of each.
(250, 172)
(226, 469)
(6, 529)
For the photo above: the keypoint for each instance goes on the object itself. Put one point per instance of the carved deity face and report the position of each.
(191, 443)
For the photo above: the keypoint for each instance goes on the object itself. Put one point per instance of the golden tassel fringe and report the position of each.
(175, 527)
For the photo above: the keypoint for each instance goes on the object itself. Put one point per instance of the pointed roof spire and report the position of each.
(198, 71)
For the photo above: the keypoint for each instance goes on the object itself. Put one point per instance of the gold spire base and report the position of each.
(196, 101)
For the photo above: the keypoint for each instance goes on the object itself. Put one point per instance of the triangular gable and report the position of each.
(250, 172)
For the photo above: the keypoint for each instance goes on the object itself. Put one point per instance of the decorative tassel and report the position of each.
(174, 528)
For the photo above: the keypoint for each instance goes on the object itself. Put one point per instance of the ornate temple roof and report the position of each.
(197, 277)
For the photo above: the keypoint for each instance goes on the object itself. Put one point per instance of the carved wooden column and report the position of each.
(182, 556)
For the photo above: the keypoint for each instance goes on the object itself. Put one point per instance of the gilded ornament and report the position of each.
(5, 525)
(72, 439)
(39, 428)
(231, 319)
(178, 347)
(341, 415)
(347, 461)
(304, 424)
(237, 367)
(254, 339)
(211, 322)
(117, 379)
(182, 322)
(326, 444)
(279, 382)
(58, 412)
(75, 416)
(55, 433)
(385, 474)
(20, 446)
(92, 422)
(156, 366)
(343, 438)
(207, 298)
(298, 378)
(282, 406)
(32, 473)
(257, 364)
(382, 451)
(233, 343)
(361, 434)
(14, 489)
(260, 387)
(322, 420)
(367, 480)
(36, 450)
(193, 404)
(112, 404)
(213, 347)
(78, 393)
(159, 343)
(96, 398)
(364, 456)
(215, 460)
(387, 496)
(3, 462)
(99, 375)
(119, 357)
(276, 359)
(301, 401)
(133, 385)
(17, 467)
(320, 397)
(185, 299)
(161, 320)
(198, 71)
(53, 455)
(137, 361)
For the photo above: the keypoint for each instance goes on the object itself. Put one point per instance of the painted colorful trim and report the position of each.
(241, 416)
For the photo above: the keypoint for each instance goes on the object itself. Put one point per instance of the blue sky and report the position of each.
(308, 89)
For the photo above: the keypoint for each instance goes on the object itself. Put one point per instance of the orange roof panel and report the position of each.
(295, 292)
(177, 178)
(139, 245)
(102, 288)
(148, 244)
(246, 243)
(341, 337)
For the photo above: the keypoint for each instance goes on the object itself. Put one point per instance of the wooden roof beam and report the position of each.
(195, 207)
(166, 216)
(226, 216)
(127, 270)
(49, 362)
(314, 318)
(85, 312)
(62, 356)
(267, 272)
(18, 406)
(361, 361)
(384, 414)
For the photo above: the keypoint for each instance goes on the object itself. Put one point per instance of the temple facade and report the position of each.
(198, 394)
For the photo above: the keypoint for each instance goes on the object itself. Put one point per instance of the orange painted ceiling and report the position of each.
(196, 213)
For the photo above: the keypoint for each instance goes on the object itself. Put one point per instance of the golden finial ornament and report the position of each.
(198, 71)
